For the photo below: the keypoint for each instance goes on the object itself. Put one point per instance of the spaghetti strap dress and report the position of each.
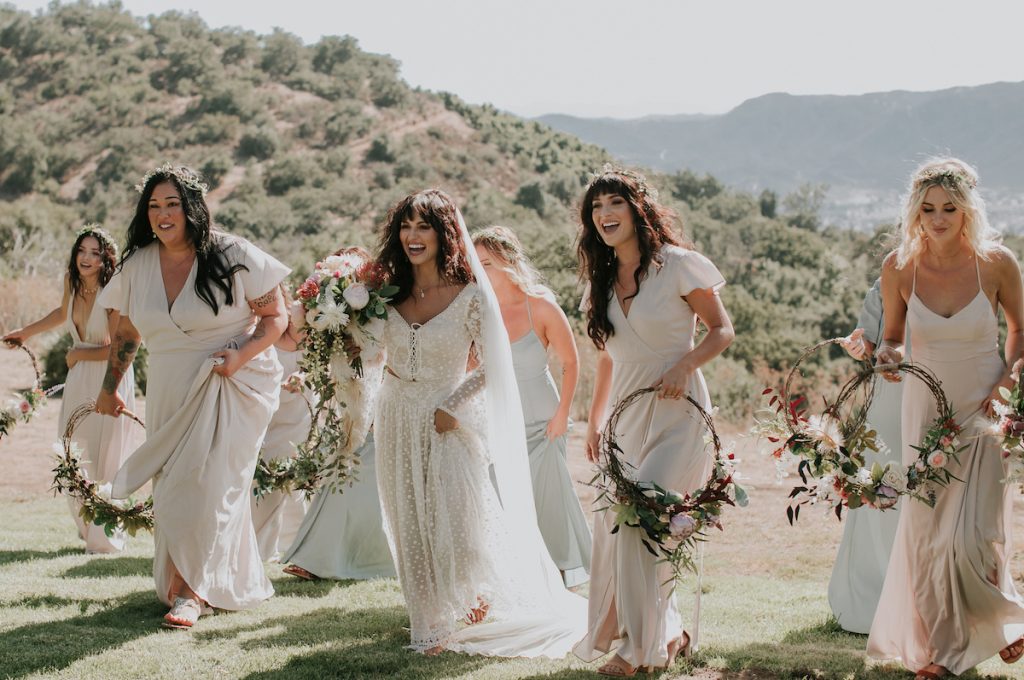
(559, 513)
(949, 597)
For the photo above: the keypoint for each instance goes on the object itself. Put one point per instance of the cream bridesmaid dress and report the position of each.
(949, 596)
(204, 431)
(106, 442)
(632, 607)
(276, 517)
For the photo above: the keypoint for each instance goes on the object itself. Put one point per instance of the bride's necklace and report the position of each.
(423, 291)
(88, 291)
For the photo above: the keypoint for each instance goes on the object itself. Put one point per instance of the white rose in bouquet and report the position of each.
(357, 296)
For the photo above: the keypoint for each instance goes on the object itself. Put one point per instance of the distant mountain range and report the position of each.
(864, 142)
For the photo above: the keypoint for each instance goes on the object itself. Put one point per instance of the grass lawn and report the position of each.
(66, 614)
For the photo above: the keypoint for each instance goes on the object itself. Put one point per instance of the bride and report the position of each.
(474, 570)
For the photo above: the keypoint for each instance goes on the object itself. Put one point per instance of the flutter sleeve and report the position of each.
(870, 318)
(692, 271)
(117, 293)
(475, 380)
(263, 271)
(585, 300)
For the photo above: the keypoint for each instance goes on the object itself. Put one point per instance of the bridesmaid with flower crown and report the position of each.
(105, 442)
(949, 601)
(208, 306)
(645, 292)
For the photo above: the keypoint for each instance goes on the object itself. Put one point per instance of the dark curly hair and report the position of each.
(213, 270)
(438, 210)
(108, 256)
(598, 265)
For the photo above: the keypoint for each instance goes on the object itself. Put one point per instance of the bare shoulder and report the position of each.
(1003, 259)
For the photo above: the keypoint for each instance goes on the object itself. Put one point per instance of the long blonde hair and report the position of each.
(960, 181)
(505, 247)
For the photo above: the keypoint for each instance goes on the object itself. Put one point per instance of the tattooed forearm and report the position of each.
(122, 353)
(264, 300)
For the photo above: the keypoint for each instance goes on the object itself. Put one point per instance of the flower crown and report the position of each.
(94, 229)
(185, 176)
(641, 181)
(947, 176)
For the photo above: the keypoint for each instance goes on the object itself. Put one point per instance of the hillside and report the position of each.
(307, 145)
(866, 143)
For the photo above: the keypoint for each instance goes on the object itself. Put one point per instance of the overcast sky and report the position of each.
(629, 59)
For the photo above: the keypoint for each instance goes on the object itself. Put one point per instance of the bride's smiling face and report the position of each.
(418, 239)
(941, 220)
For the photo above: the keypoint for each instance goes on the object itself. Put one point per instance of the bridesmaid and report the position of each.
(276, 516)
(534, 322)
(208, 306)
(949, 602)
(342, 536)
(105, 442)
(863, 555)
(645, 292)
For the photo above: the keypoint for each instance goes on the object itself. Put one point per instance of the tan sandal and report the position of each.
(184, 613)
(1012, 652)
(925, 674)
(617, 668)
(477, 614)
(296, 570)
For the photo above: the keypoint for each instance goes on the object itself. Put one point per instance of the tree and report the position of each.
(803, 206)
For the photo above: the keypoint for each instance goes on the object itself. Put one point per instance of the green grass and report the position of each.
(70, 615)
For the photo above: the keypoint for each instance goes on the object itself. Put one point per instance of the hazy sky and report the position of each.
(629, 59)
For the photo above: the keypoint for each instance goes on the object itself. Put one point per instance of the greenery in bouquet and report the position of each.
(828, 449)
(1009, 425)
(673, 523)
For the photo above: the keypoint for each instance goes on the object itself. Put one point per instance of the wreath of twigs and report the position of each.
(301, 472)
(673, 522)
(830, 446)
(26, 402)
(97, 507)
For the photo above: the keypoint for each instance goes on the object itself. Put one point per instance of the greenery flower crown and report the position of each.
(641, 181)
(100, 233)
(948, 177)
(185, 176)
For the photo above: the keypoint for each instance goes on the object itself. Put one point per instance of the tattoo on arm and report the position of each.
(265, 299)
(122, 353)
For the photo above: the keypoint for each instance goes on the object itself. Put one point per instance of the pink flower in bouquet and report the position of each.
(357, 296)
(681, 526)
(946, 441)
(937, 459)
(920, 466)
(24, 407)
(885, 497)
(309, 289)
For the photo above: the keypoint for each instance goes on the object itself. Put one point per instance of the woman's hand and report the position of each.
(675, 382)
(854, 344)
(297, 315)
(71, 358)
(293, 384)
(15, 339)
(557, 426)
(888, 354)
(232, 362)
(444, 421)
(593, 449)
(109, 404)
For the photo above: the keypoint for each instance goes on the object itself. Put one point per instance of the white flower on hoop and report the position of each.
(825, 430)
(895, 478)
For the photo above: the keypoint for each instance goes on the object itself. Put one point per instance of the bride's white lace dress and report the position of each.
(444, 522)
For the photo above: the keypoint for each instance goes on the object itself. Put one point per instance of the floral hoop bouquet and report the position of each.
(1009, 425)
(97, 507)
(673, 522)
(25, 403)
(828, 448)
(344, 298)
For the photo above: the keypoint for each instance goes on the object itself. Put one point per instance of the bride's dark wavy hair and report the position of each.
(597, 261)
(213, 269)
(437, 209)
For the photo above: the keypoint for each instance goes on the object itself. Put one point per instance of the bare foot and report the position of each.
(434, 651)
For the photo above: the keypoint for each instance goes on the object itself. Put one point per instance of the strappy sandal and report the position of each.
(1012, 652)
(617, 668)
(925, 674)
(676, 647)
(296, 570)
(184, 613)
